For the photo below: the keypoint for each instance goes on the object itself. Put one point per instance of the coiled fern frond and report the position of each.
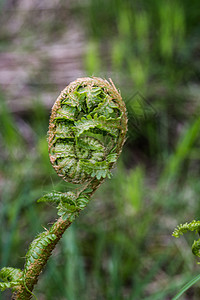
(192, 226)
(87, 130)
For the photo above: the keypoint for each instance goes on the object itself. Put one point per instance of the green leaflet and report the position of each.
(63, 130)
(8, 274)
(9, 285)
(109, 125)
(100, 169)
(72, 99)
(111, 158)
(196, 248)
(66, 111)
(11, 278)
(91, 96)
(90, 143)
(70, 208)
(107, 108)
(56, 197)
(89, 148)
(37, 248)
(82, 201)
(63, 149)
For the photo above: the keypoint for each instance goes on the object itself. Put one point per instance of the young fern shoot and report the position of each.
(86, 134)
(192, 226)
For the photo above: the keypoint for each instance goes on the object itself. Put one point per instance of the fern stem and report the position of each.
(58, 228)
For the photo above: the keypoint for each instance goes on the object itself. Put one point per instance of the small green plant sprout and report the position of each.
(192, 226)
(180, 230)
(87, 130)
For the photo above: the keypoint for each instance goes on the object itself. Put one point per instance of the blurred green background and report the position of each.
(121, 246)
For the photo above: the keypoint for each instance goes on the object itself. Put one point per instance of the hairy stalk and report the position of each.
(87, 130)
(32, 274)
(34, 270)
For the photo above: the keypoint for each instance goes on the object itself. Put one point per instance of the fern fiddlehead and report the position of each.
(192, 226)
(87, 130)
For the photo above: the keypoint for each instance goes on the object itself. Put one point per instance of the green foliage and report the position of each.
(192, 226)
(36, 251)
(69, 207)
(11, 278)
(57, 197)
(54, 197)
(183, 228)
(196, 248)
(85, 113)
(100, 169)
(68, 204)
(108, 125)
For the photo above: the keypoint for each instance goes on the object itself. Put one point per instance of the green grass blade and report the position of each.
(183, 150)
(186, 287)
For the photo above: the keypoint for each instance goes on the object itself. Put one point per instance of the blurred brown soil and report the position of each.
(42, 44)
